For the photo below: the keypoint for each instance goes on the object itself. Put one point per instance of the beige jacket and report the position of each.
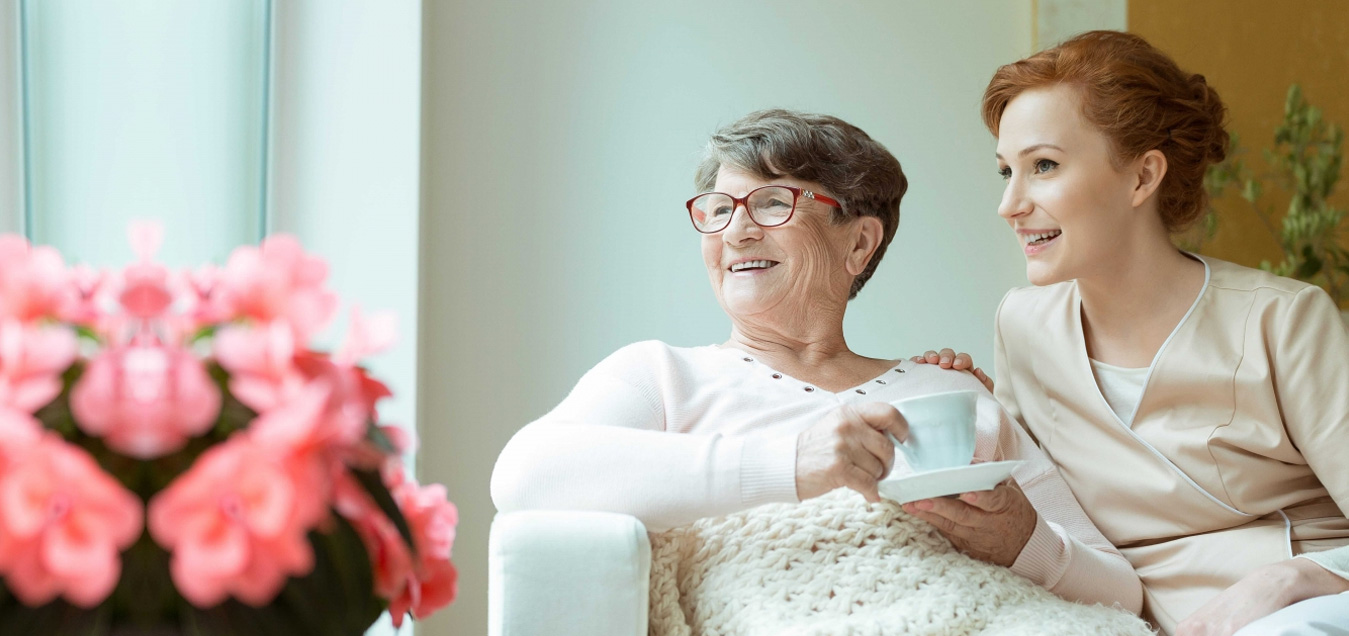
(1238, 453)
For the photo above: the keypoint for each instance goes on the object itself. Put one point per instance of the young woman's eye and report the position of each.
(1005, 172)
(1044, 165)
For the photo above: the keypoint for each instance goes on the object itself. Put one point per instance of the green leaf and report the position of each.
(205, 332)
(370, 480)
(349, 579)
(87, 333)
(56, 617)
(376, 436)
(1311, 264)
(1251, 190)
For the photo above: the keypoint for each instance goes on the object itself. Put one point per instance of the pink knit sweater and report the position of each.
(672, 434)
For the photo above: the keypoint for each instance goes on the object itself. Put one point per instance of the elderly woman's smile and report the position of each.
(754, 268)
(751, 266)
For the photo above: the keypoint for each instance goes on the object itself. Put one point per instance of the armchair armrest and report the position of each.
(568, 572)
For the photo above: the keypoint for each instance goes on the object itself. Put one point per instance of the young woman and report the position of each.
(1198, 410)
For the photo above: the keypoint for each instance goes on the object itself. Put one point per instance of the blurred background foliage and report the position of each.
(1303, 165)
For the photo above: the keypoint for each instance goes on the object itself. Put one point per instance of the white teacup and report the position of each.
(941, 430)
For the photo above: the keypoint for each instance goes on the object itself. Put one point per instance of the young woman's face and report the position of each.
(1067, 202)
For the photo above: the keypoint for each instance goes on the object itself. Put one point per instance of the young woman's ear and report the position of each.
(1149, 170)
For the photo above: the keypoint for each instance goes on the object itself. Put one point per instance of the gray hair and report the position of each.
(853, 168)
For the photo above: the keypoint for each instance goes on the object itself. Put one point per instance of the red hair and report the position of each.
(1137, 96)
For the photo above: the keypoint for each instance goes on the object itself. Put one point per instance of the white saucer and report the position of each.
(946, 481)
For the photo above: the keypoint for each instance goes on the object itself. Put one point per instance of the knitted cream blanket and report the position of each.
(835, 566)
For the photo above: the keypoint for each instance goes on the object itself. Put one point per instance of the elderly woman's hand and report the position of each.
(991, 525)
(848, 448)
(949, 359)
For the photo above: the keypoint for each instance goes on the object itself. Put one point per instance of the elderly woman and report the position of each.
(795, 214)
(1198, 409)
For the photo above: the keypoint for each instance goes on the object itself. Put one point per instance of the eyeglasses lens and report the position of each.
(768, 207)
(771, 206)
(711, 212)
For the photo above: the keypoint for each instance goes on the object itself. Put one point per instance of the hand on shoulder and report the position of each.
(949, 359)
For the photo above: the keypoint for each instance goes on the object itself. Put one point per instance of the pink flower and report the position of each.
(268, 372)
(63, 523)
(205, 304)
(304, 426)
(34, 283)
(353, 396)
(19, 432)
(390, 559)
(32, 360)
(146, 294)
(279, 281)
(435, 581)
(145, 399)
(236, 522)
(89, 298)
(261, 363)
(403, 440)
(423, 586)
(366, 336)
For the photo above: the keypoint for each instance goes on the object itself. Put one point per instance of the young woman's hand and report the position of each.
(948, 359)
(990, 525)
(1259, 594)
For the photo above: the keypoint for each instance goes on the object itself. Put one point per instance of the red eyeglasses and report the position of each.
(768, 206)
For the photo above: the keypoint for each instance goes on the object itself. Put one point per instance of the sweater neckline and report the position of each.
(885, 378)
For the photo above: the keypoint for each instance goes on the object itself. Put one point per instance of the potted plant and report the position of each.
(1305, 162)
(176, 459)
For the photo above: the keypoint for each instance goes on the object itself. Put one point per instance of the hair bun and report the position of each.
(1213, 116)
(1139, 99)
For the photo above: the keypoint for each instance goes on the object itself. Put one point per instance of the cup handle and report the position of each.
(900, 446)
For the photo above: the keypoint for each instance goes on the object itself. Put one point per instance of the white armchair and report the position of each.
(568, 572)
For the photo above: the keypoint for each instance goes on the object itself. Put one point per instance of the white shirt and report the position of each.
(1122, 388)
(672, 434)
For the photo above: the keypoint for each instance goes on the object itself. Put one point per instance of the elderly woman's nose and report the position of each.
(1014, 201)
(741, 227)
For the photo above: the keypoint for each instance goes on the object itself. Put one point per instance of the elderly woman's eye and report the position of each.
(1005, 172)
(778, 203)
(1045, 165)
(722, 210)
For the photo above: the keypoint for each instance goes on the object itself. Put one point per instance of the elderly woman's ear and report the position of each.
(867, 235)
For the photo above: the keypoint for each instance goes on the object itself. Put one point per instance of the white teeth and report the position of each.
(1040, 237)
(750, 265)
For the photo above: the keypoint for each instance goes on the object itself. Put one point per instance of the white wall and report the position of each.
(11, 148)
(1058, 20)
(346, 147)
(144, 109)
(559, 144)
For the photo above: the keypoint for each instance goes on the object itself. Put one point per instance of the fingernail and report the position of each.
(925, 504)
(945, 360)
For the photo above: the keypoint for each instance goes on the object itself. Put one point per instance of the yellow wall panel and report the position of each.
(1250, 51)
